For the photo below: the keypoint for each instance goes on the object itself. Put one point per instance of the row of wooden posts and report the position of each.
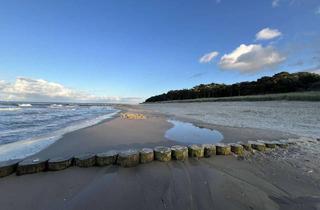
(133, 157)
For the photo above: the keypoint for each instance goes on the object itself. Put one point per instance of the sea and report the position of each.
(27, 128)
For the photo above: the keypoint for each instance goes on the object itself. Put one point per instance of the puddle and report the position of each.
(189, 133)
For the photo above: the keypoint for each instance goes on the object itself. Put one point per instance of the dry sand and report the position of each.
(279, 180)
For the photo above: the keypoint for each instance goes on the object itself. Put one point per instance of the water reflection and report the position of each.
(189, 133)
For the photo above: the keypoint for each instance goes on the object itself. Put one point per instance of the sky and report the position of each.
(125, 51)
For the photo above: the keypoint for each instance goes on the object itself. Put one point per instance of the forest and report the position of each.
(282, 82)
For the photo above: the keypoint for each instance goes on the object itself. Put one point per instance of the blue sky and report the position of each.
(127, 50)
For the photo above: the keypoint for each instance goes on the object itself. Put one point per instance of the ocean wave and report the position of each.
(25, 105)
(71, 106)
(27, 147)
(9, 109)
(55, 106)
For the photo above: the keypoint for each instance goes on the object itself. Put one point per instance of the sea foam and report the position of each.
(24, 148)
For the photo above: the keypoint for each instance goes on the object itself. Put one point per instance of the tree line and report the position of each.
(282, 82)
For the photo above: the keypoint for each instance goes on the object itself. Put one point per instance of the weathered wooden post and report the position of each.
(29, 166)
(59, 163)
(258, 146)
(85, 160)
(237, 149)
(106, 158)
(129, 158)
(196, 151)
(162, 153)
(209, 150)
(146, 155)
(223, 149)
(8, 167)
(269, 144)
(179, 152)
(246, 146)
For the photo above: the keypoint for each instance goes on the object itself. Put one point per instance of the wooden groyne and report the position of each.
(134, 157)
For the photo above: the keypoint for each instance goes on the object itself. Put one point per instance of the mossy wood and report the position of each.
(246, 146)
(8, 167)
(209, 150)
(85, 160)
(237, 149)
(162, 153)
(258, 146)
(59, 163)
(106, 158)
(223, 149)
(129, 158)
(196, 151)
(29, 166)
(179, 152)
(146, 155)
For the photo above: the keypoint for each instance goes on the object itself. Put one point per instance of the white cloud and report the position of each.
(26, 89)
(275, 3)
(208, 57)
(268, 33)
(318, 11)
(251, 58)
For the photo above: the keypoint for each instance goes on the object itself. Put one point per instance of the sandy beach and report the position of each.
(281, 179)
(156, 105)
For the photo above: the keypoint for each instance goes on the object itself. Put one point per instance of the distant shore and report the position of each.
(291, 86)
(295, 96)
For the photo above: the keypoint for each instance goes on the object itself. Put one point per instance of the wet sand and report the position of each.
(279, 180)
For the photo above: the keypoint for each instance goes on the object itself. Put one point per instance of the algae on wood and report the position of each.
(85, 160)
(179, 152)
(246, 146)
(8, 167)
(59, 163)
(106, 158)
(209, 150)
(237, 149)
(223, 149)
(129, 158)
(258, 146)
(29, 166)
(162, 153)
(196, 151)
(146, 155)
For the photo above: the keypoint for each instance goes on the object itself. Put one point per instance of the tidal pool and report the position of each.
(189, 133)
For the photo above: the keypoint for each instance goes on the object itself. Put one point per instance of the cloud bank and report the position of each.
(251, 58)
(268, 33)
(208, 57)
(38, 90)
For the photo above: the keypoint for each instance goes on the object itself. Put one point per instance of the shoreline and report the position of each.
(31, 146)
(108, 135)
